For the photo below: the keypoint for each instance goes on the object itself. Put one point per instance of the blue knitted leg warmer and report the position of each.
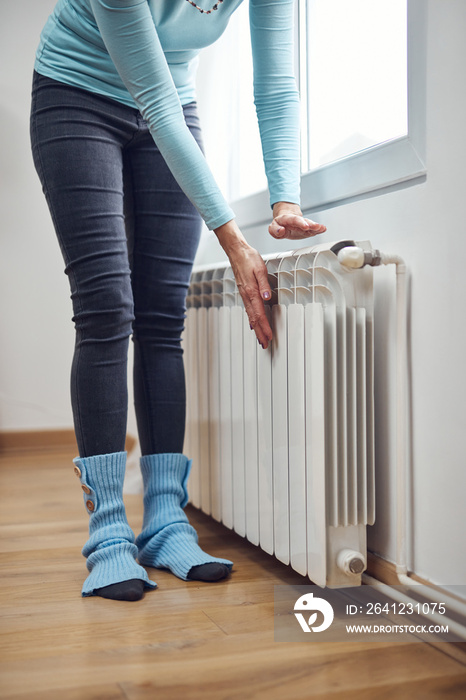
(167, 539)
(110, 551)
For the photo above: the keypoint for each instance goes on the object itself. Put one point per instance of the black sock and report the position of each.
(126, 590)
(208, 572)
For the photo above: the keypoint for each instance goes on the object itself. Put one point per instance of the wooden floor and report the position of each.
(183, 640)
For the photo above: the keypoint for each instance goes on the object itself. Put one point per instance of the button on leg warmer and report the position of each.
(110, 551)
(168, 540)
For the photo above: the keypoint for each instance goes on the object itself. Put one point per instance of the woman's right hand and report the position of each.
(251, 278)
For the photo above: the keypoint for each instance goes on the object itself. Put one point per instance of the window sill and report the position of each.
(382, 168)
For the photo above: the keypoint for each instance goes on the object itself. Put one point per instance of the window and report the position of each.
(353, 76)
(360, 67)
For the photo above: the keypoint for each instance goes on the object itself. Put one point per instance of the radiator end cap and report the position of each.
(351, 562)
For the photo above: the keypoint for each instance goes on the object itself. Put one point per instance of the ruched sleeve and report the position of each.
(131, 39)
(276, 96)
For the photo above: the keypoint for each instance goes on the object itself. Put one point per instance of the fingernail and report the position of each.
(250, 326)
(266, 295)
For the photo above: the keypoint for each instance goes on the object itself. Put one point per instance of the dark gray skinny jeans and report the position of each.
(128, 236)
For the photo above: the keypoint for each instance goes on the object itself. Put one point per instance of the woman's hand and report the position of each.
(251, 278)
(289, 222)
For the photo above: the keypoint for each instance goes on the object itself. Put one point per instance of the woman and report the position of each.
(116, 143)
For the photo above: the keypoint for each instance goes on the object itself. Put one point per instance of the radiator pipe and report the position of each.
(434, 617)
(353, 257)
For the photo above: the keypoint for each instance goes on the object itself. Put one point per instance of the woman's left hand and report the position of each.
(289, 222)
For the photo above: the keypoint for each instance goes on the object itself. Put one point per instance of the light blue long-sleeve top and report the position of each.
(143, 53)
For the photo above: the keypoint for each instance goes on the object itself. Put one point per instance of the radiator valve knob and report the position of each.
(351, 562)
(351, 257)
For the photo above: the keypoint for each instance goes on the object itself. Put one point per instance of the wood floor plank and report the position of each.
(428, 689)
(89, 692)
(449, 688)
(262, 669)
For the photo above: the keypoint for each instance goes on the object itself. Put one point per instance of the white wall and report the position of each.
(36, 332)
(424, 224)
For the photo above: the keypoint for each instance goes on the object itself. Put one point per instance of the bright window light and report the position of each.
(356, 76)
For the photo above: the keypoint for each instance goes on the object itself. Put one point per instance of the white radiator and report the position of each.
(282, 440)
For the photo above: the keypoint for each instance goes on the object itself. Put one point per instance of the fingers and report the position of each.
(258, 322)
(294, 227)
(253, 297)
(262, 279)
(253, 285)
(277, 231)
